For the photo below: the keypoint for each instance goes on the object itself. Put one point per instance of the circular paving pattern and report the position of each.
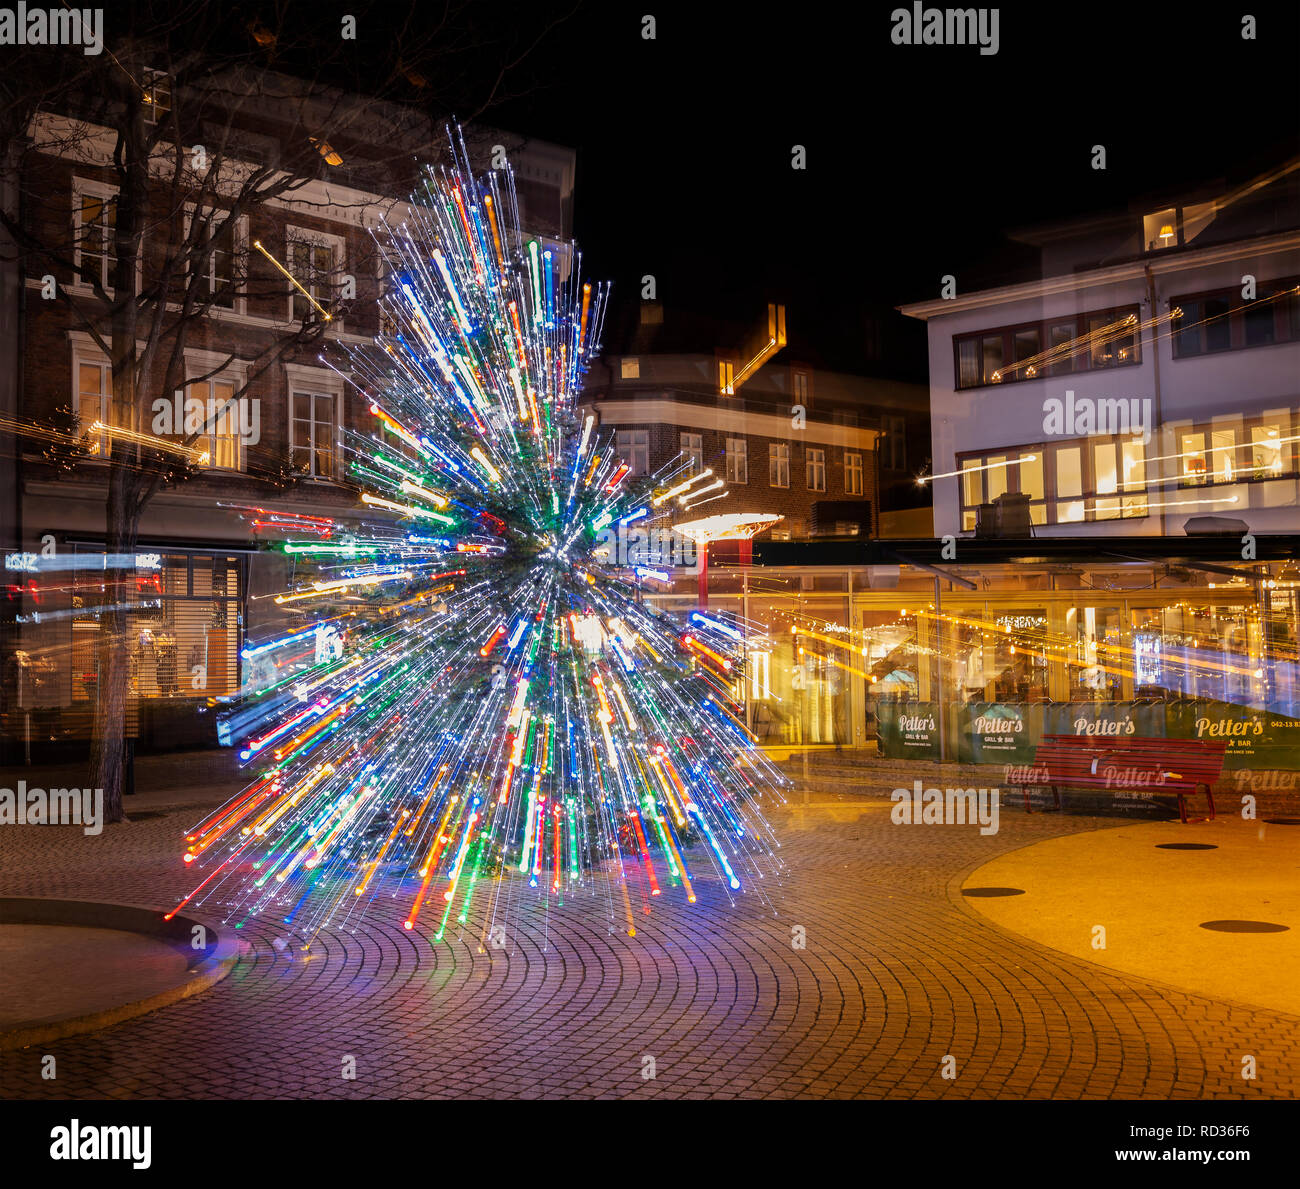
(866, 971)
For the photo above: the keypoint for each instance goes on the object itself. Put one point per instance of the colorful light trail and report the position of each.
(493, 710)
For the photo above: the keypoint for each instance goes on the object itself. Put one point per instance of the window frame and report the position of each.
(337, 244)
(238, 263)
(303, 380)
(1286, 329)
(1043, 327)
(693, 449)
(92, 357)
(852, 470)
(627, 451)
(778, 465)
(82, 187)
(814, 468)
(737, 455)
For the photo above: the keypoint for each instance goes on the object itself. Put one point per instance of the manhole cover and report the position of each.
(993, 891)
(1283, 821)
(1244, 926)
(1186, 846)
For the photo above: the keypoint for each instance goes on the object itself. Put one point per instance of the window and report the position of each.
(634, 449)
(1059, 346)
(1222, 320)
(1059, 336)
(1223, 455)
(778, 464)
(221, 436)
(630, 368)
(1069, 484)
(389, 267)
(314, 258)
(894, 446)
(95, 207)
(799, 385)
(1192, 454)
(1100, 479)
(157, 96)
(737, 460)
(313, 432)
(693, 448)
(220, 278)
(1265, 451)
(815, 469)
(852, 474)
(94, 393)
(991, 353)
(726, 377)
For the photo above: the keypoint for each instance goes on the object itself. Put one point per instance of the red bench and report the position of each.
(1177, 766)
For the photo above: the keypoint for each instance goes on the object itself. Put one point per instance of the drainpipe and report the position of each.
(1156, 417)
(938, 671)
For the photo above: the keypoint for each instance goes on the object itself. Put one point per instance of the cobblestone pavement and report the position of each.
(898, 973)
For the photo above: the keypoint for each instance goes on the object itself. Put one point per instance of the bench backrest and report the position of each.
(1126, 763)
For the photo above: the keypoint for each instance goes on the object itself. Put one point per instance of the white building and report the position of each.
(1188, 314)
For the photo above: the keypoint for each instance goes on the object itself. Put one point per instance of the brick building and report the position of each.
(817, 447)
(249, 336)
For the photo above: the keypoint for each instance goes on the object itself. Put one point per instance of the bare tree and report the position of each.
(176, 111)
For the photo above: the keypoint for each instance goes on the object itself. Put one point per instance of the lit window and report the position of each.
(220, 437)
(95, 232)
(1266, 450)
(853, 474)
(157, 96)
(94, 398)
(1069, 484)
(630, 368)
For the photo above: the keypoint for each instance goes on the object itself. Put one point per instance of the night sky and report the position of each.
(918, 157)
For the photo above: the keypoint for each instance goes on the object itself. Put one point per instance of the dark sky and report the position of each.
(918, 157)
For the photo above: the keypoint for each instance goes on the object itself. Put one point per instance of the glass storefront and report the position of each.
(980, 675)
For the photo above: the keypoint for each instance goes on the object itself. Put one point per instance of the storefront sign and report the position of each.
(998, 732)
(908, 730)
(1256, 738)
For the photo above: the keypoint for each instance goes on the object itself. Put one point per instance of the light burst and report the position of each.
(477, 700)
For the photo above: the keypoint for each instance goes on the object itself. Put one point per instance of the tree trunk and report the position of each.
(108, 738)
